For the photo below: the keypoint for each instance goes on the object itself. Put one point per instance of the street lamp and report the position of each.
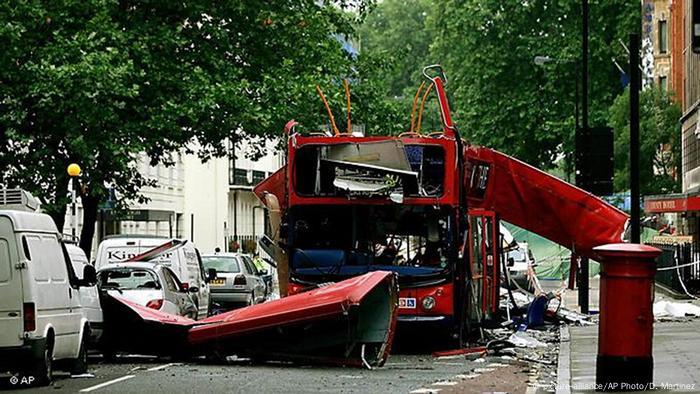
(74, 172)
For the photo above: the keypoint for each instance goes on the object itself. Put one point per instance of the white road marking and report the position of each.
(425, 391)
(445, 383)
(105, 384)
(158, 368)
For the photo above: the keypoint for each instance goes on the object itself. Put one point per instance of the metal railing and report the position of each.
(678, 267)
(242, 243)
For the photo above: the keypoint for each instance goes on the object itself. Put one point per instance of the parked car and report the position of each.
(151, 285)
(234, 280)
(182, 258)
(41, 318)
(89, 296)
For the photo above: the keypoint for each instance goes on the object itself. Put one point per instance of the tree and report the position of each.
(660, 146)
(397, 30)
(502, 99)
(97, 82)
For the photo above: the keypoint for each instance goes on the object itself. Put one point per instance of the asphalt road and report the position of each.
(401, 374)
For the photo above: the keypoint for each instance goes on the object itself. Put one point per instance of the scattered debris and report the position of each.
(458, 352)
(521, 339)
(469, 376)
(483, 370)
(675, 309)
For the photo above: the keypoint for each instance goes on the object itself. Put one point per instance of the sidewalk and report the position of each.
(676, 357)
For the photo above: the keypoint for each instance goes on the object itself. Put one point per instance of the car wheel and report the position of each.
(80, 364)
(44, 368)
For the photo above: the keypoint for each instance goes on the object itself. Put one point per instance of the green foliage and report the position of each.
(397, 30)
(97, 82)
(659, 125)
(501, 98)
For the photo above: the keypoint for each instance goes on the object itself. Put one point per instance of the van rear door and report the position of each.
(11, 323)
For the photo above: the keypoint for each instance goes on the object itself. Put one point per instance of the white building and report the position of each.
(210, 203)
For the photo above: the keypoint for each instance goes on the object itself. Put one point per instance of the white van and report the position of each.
(183, 259)
(89, 296)
(518, 261)
(41, 318)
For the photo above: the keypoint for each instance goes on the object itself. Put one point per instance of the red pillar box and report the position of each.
(625, 361)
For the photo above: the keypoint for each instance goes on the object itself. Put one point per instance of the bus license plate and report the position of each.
(407, 303)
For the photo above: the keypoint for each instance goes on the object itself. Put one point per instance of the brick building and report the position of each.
(684, 71)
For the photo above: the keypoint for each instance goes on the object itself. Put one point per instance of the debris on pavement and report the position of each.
(457, 352)
(675, 309)
(521, 339)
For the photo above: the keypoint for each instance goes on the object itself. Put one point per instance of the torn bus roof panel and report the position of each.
(157, 251)
(541, 203)
(349, 323)
(138, 329)
(388, 155)
(274, 184)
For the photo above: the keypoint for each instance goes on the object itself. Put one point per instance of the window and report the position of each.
(663, 37)
(128, 279)
(5, 263)
(240, 176)
(663, 83)
(258, 176)
(249, 265)
(171, 280)
(221, 264)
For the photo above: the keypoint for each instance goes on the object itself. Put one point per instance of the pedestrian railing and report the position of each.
(678, 267)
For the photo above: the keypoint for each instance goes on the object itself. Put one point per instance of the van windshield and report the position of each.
(128, 279)
(221, 263)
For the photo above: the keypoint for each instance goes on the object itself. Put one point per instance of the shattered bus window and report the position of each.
(375, 169)
(333, 242)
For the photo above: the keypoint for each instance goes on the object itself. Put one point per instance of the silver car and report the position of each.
(151, 285)
(234, 280)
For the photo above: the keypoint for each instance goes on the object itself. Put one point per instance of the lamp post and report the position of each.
(577, 263)
(74, 172)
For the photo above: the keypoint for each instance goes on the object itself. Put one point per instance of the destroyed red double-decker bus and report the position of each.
(425, 206)
(345, 205)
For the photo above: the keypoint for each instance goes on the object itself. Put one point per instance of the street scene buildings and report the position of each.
(404, 196)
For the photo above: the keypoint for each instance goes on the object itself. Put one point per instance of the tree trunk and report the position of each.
(57, 211)
(90, 205)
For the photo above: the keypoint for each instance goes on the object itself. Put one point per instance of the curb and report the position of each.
(564, 361)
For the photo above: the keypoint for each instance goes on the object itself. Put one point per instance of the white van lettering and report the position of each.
(121, 255)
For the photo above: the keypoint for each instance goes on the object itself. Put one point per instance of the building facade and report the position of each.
(209, 203)
(685, 77)
(658, 28)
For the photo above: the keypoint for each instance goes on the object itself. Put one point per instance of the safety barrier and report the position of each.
(678, 267)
